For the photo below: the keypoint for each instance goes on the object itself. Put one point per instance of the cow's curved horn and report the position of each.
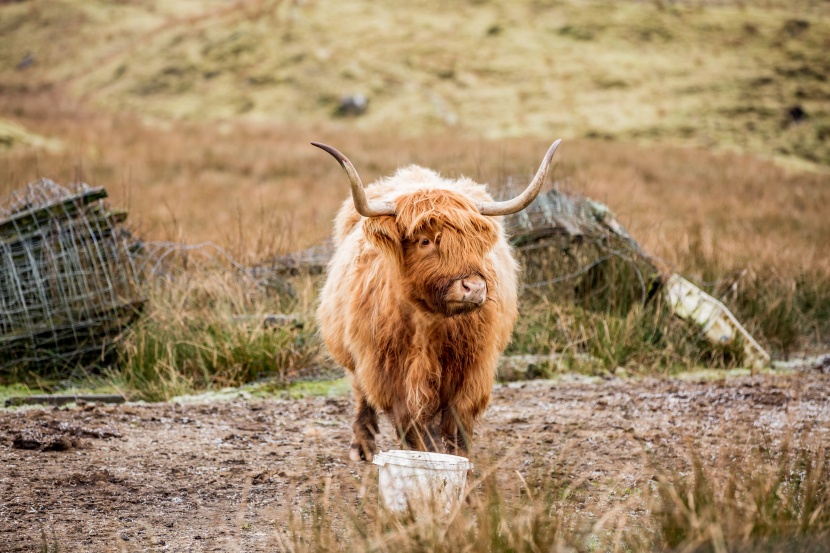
(525, 198)
(361, 203)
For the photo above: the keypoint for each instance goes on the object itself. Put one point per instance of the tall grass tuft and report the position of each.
(764, 498)
(645, 340)
(769, 500)
(208, 332)
(489, 520)
(590, 299)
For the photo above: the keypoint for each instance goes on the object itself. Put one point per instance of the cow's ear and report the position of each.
(384, 234)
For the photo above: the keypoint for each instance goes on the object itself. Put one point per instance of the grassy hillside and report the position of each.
(720, 74)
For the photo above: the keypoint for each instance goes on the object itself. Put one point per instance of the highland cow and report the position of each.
(419, 302)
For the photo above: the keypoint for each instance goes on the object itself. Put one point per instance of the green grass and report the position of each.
(311, 388)
(262, 390)
(166, 360)
(274, 388)
(105, 383)
(209, 334)
(17, 389)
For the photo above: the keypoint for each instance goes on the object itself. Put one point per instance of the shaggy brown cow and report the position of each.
(420, 301)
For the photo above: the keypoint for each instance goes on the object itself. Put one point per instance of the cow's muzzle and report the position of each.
(469, 292)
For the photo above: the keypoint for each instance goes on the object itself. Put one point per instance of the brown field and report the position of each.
(261, 189)
(254, 475)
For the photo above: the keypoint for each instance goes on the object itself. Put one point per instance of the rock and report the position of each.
(353, 105)
(796, 114)
(26, 441)
(27, 61)
(61, 443)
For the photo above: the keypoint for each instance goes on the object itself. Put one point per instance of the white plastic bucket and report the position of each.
(416, 479)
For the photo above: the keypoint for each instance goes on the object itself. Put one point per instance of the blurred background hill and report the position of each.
(751, 76)
(158, 94)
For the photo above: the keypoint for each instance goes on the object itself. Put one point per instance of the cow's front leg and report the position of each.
(457, 430)
(365, 428)
(419, 435)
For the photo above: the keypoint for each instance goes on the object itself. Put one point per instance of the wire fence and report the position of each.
(68, 284)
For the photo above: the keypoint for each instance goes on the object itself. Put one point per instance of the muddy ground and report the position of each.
(222, 476)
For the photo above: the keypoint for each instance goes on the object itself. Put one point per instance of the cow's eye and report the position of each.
(425, 241)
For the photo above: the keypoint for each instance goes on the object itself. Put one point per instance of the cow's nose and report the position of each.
(474, 289)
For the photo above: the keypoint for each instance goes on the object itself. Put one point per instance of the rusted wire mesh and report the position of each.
(312, 260)
(68, 284)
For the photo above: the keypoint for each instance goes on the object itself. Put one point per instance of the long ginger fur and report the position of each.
(382, 317)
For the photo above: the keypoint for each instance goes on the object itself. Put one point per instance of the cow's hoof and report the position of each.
(451, 448)
(361, 452)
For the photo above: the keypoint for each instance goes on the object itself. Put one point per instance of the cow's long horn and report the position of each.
(525, 198)
(361, 203)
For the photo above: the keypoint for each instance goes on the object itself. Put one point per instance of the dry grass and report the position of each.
(751, 229)
(754, 499)
(260, 188)
(207, 332)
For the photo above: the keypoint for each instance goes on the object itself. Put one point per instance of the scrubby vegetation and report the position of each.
(747, 230)
(759, 499)
(210, 334)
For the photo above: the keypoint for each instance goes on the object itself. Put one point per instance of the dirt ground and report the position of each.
(222, 476)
